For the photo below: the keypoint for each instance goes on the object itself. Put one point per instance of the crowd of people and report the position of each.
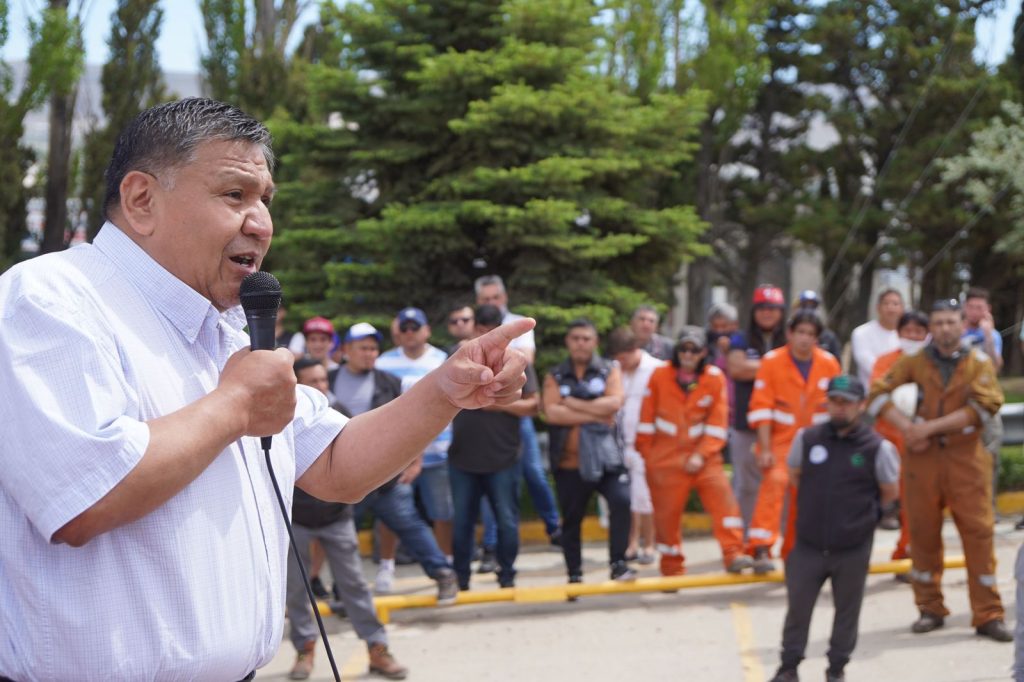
(816, 454)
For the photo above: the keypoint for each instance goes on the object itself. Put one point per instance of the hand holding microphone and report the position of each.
(263, 382)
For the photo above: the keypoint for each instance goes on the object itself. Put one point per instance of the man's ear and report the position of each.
(138, 202)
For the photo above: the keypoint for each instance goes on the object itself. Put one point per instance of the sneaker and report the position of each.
(447, 587)
(833, 676)
(319, 591)
(384, 664)
(646, 557)
(621, 572)
(574, 579)
(890, 516)
(902, 578)
(995, 629)
(740, 564)
(488, 562)
(786, 675)
(303, 667)
(384, 583)
(762, 561)
(926, 623)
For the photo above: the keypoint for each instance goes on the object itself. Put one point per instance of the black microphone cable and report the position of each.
(260, 296)
(302, 569)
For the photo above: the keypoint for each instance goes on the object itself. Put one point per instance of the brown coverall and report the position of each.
(954, 471)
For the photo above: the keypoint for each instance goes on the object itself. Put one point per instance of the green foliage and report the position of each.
(493, 148)
(132, 81)
(1011, 469)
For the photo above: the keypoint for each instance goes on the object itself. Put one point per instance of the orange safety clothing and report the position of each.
(954, 470)
(675, 423)
(894, 436)
(787, 402)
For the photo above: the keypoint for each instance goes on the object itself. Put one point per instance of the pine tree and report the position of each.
(485, 142)
(132, 81)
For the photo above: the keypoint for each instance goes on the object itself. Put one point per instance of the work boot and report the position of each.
(447, 587)
(621, 572)
(384, 664)
(834, 676)
(555, 537)
(763, 563)
(786, 675)
(740, 564)
(927, 622)
(303, 667)
(995, 629)
(317, 585)
(488, 562)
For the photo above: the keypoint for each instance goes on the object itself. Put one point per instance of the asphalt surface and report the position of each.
(721, 633)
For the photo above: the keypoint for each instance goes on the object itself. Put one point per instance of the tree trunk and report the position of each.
(62, 109)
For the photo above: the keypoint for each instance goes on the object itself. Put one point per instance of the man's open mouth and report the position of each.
(247, 261)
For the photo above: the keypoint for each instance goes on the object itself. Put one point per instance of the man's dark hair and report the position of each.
(947, 305)
(806, 316)
(459, 305)
(305, 362)
(888, 292)
(977, 292)
(621, 340)
(166, 137)
(581, 322)
(912, 317)
(487, 316)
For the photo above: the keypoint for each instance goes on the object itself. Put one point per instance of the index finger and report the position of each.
(501, 336)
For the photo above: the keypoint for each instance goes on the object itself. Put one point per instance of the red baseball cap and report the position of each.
(318, 325)
(768, 295)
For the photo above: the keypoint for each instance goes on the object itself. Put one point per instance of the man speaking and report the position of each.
(140, 537)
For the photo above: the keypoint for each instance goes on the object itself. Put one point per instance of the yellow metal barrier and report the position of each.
(561, 592)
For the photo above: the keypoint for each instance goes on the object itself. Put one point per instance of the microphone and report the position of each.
(261, 297)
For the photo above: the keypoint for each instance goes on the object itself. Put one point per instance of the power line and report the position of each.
(965, 230)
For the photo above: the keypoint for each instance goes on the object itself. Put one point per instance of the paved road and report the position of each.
(712, 634)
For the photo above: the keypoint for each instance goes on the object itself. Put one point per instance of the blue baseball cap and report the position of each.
(412, 315)
(362, 330)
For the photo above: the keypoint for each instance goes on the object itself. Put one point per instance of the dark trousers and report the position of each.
(501, 488)
(806, 572)
(574, 496)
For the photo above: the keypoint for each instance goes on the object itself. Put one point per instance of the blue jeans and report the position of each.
(435, 492)
(396, 510)
(536, 480)
(502, 490)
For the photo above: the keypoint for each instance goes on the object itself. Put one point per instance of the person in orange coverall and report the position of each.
(913, 331)
(789, 394)
(683, 428)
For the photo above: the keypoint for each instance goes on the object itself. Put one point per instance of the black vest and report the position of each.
(564, 375)
(838, 499)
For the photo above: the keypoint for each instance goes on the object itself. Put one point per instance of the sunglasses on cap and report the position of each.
(460, 320)
(409, 327)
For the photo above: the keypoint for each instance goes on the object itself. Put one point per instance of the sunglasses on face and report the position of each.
(459, 320)
(689, 350)
(408, 327)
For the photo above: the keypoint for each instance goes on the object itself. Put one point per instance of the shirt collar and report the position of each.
(182, 305)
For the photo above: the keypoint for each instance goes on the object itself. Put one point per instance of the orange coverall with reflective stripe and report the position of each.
(783, 399)
(955, 471)
(894, 436)
(675, 424)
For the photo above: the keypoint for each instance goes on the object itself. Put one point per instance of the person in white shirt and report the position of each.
(133, 484)
(877, 337)
(637, 365)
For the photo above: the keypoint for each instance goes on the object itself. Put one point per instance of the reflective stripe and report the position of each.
(875, 408)
(732, 522)
(759, 415)
(645, 427)
(696, 431)
(987, 580)
(760, 534)
(820, 418)
(666, 426)
(920, 576)
(716, 432)
(783, 417)
(969, 429)
(674, 550)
